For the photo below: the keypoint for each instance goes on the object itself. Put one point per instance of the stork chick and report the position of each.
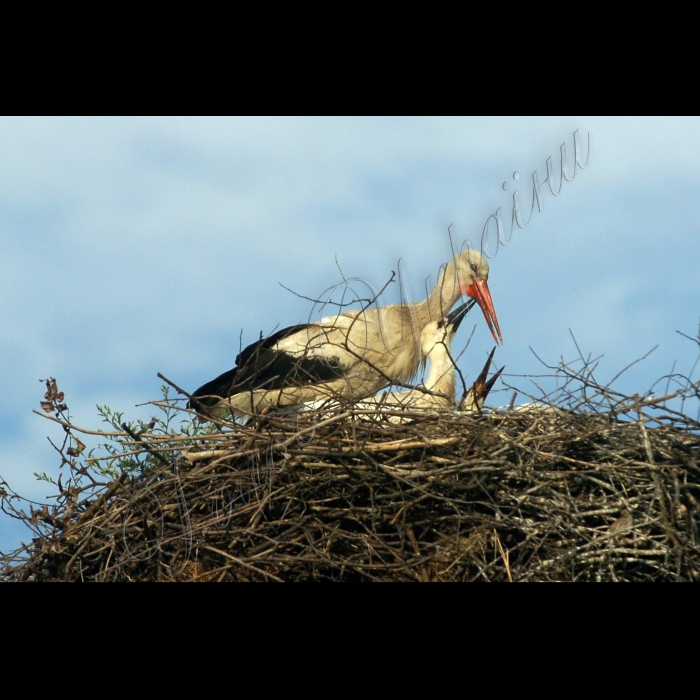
(438, 390)
(473, 400)
(436, 340)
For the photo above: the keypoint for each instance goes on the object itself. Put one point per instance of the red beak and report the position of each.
(479, 290)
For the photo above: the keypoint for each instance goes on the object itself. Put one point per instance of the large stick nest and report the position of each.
(540, 494)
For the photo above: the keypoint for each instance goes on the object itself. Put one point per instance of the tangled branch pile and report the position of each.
(607, 493)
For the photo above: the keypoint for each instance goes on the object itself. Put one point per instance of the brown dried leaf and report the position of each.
(47, 406)
(75, 451)
(60, 396)
(51, 389)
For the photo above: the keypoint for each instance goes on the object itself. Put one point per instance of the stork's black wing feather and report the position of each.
(265, 343)
(209, 394)
(260, 366)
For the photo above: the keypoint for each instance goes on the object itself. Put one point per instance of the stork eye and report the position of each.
(473, 267)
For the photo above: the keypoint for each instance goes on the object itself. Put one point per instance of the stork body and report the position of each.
(352, 355)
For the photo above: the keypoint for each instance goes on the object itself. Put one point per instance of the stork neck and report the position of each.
(437, 305)
(444, 294)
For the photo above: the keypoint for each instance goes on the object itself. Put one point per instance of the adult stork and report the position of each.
(352, 355)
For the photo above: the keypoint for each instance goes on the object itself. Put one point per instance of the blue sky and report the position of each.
(131, 246)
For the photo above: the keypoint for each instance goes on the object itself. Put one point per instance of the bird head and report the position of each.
(473, 399)
(472, 275)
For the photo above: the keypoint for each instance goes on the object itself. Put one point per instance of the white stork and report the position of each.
(473, 400)
(352, 355)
